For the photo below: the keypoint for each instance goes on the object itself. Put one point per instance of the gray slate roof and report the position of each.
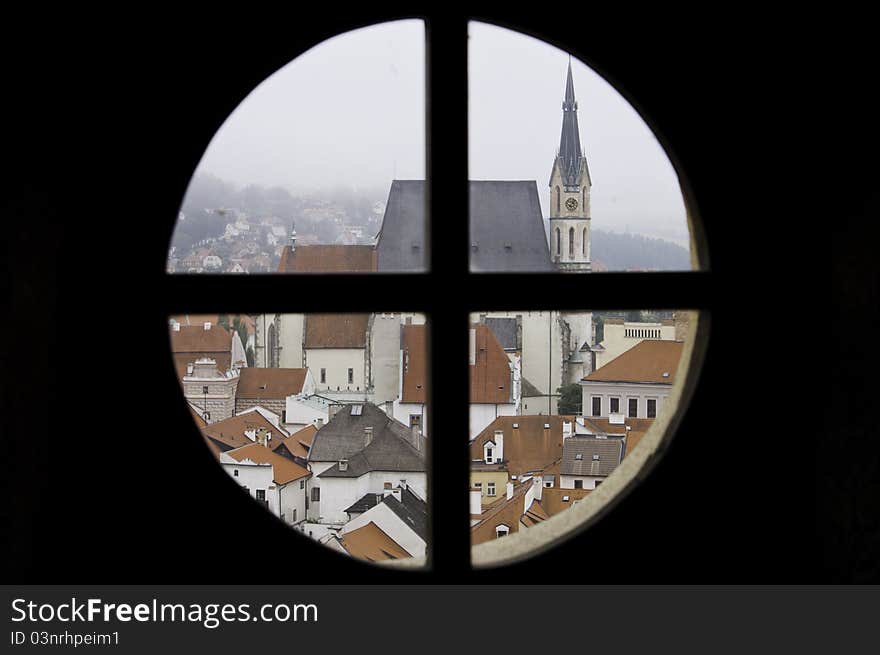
(411, 510)
(529, 390)
(343, 437)
(504, 330)
(610, 452)
(361, 505)
(506, 226)
(401, 243)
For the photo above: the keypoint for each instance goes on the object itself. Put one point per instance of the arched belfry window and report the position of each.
(584, 242)
(483, 372)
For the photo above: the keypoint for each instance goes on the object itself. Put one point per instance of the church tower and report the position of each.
(570, 194)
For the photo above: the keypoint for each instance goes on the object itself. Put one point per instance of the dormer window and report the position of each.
(501, 531)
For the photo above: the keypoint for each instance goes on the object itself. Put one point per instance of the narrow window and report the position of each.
(615, 406)
(351, 376)
(584, 242)
(578, 484)
(302, 484)
(323, 376)
(652, 407)
(261, 494)
(316, 494)
(234, 473)
(558, 242)
(490, 489)
(571, 243)
(558, 200)
(597, 406)
(633, 407)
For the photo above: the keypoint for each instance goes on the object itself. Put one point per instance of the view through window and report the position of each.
(326, 419)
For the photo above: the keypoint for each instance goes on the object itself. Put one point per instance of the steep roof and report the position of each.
(504, 330)
(344, 437)
(570, 158)
(490, 374)
(370, 543)
(270, 383)
(529, 447)
(365, 502)
(328, 259)
(297, 444)
(506, 226)
(415, 365)
(336, 330)
(283, 469)
(412, 510)
(578, 455)
(645, 362)
(196, 339)
(201, 319)
(401, 245)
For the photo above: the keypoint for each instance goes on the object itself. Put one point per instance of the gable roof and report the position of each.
(401, 244)
(328, 259)
(230, 432)
(196, 339)
(504, 330)
(192, 342)
(490, 374)
(645, 362)
(608, 450)
(528, 447)
(412, 510)
(270, 383)
(343, 437)
(415, 368)
(371, 543)
(506, 225)
(283, 469)
(336, 330)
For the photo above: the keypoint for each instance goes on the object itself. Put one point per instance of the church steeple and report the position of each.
(570, 192)
(570, 142)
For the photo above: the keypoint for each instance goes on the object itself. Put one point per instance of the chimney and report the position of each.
(682, 324)
(509, 490)
(566, 429)
(389, 408)
(538, 487)
(207, 325)
(189, 367)
(476, 502)
(319, 423)
(343, 465)
(368, 435)
(396, 492)
(332, 409)
(261, 436)
(499, 446)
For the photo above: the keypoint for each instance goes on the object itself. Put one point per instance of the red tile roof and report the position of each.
(283, 469)
(647, 361)
(328, 259)
(270, 383)
(490, 375)
(336, 330)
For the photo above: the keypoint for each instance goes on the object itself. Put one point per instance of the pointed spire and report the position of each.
(570, 142)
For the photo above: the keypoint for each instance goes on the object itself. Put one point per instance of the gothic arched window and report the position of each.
(571, 243)
(271, 347)
(584, 242)
(558, 242)
(558, 201)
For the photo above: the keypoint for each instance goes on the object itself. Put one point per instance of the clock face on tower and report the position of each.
(571, 204)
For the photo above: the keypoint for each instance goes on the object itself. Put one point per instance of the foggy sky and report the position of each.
(351, 112)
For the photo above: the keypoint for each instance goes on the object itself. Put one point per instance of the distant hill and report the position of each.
(614, 251)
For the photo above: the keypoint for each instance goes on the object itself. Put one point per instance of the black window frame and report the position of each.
(448, 248)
